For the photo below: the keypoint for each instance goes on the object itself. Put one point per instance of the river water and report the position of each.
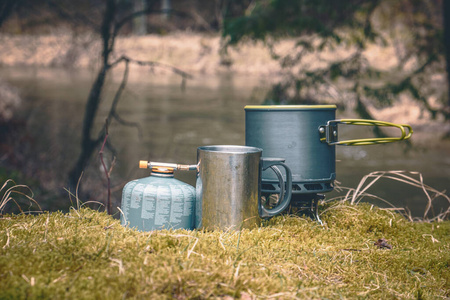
(175, 121)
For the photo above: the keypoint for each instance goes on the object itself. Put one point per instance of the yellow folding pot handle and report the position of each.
(328, 133)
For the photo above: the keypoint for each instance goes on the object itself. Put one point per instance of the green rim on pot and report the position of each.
(289, 107)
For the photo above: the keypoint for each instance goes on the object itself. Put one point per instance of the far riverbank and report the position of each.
(199, 55)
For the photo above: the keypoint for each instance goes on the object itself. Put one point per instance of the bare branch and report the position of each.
(152, 64)
(113, 112)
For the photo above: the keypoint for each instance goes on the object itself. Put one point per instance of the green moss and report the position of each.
(86, 254)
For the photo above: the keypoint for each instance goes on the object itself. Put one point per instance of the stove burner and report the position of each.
(305, 198)
(308, 203)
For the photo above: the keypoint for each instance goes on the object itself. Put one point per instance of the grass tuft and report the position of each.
(22, 194)
(411, 180)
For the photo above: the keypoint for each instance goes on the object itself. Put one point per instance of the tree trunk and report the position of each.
(6, 9)
(140, 22)
(88, 145)
(166, 6)
(446, 12)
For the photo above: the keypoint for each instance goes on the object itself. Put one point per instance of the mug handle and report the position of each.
(271, 163)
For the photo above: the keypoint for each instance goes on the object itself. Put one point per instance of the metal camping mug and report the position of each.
(229, 187)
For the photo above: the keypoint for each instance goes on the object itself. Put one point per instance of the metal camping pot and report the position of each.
(229, 187)
(159, 201)
(306, 136)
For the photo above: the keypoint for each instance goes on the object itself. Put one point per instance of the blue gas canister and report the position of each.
(158, 202)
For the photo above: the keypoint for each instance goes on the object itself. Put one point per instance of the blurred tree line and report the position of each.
(41, 16)
(417, 29)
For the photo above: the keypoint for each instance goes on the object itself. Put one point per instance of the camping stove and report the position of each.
(306, 136)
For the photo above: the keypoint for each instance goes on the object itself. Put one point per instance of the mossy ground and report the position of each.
(87, 254)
